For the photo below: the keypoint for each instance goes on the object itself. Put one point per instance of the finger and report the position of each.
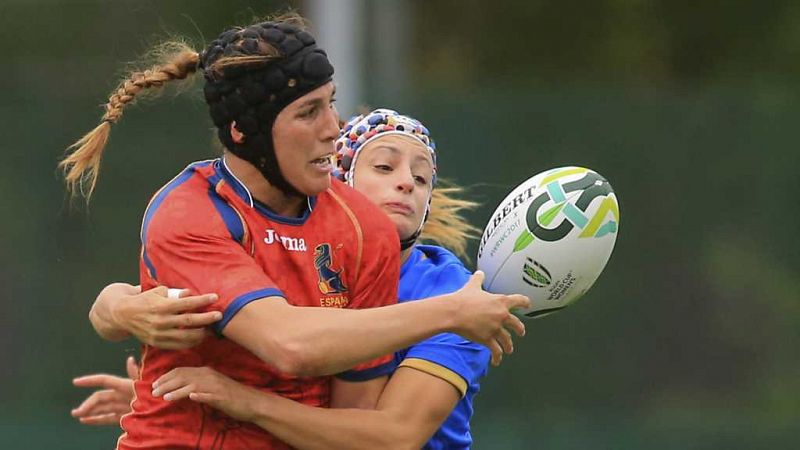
(476, 279)
(204, 397)
(514, 324)
(167, 382)
(195, 320)
(503, 338)
(190, 303)
(101, 419)
(173, 380)
(178, 339)
(85, 407)
(99, 380)
(497, 352)
(166, 377)
(516, 301)
(164, 340)
(110, 406)
(183, 293)
(131, 368)
(498, 359)
(93, 380)
(128, 289)
(161, 291)
(180, 393)
(91, 403)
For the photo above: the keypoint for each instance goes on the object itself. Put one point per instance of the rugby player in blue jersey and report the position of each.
(427, 403)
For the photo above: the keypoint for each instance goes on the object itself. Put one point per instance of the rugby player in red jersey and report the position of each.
(266, 230)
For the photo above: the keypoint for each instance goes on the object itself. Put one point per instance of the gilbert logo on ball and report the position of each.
(550, 238)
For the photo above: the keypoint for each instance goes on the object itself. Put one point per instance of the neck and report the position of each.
(262, 190)
(405, 254)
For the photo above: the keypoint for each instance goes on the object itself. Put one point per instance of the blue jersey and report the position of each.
(431, 271)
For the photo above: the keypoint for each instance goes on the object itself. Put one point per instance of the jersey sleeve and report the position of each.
(196, 252)
(449, 356)
(377, 283)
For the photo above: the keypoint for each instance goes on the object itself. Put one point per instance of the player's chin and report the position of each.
(315, 183)
(405, 228)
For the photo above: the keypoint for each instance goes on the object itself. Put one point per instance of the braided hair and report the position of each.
(251, 74)
(82, 165)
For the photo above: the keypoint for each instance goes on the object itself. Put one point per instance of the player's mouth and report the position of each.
(399, 207)
(323, 163)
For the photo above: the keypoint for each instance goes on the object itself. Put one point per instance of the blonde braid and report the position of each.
(82, 166)
(446, 226)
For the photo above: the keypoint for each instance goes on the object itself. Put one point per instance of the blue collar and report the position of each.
(241, 190)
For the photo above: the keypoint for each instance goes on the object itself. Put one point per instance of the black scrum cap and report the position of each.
(252, 93)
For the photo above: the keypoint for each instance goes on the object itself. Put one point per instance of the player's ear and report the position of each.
(236, 135)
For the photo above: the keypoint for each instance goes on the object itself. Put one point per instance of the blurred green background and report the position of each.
(690, 338)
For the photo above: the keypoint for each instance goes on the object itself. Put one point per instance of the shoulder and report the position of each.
(443, 263)
(183, 206)
(435, 271)
(466, 361)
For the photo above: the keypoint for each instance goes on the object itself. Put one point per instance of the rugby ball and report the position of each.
(550, 238)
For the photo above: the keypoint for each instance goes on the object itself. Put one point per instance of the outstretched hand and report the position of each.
(486, 318)
(106, 406)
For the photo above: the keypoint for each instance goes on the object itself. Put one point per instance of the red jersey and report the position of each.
(204, 232)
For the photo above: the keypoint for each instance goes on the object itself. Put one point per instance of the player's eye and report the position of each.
(421, 180)
(383, 167)
(304, 114)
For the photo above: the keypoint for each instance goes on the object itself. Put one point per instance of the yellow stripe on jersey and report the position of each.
(438, 371)
(356, 225)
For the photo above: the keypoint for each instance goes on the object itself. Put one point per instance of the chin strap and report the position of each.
(409, 241)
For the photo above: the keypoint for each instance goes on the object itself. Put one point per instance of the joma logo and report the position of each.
(289, 243)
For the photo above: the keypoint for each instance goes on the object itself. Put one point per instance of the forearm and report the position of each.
(101, 315)
(323, 341)
(309, 428)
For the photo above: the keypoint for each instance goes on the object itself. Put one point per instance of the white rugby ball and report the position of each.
(550, 238)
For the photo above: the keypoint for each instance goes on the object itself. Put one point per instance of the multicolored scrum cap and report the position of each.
(252, 91)
(360, 130)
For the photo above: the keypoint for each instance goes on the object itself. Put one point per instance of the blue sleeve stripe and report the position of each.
(229, 216)
(155, 203)
(149, 264)
(239, 302)
(368, 374)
